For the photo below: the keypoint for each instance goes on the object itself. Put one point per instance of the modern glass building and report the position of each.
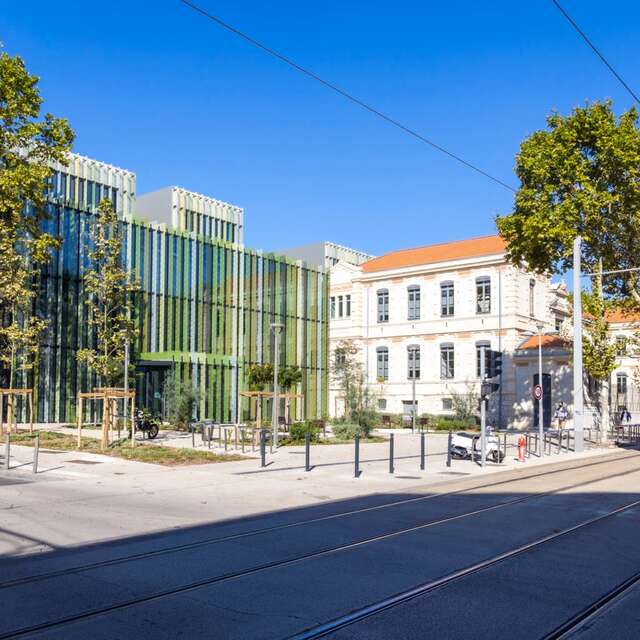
(205, 306)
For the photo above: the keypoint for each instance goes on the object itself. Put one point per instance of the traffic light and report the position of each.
(487, 388)
(495, 364)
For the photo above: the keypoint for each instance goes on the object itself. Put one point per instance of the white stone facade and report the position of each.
(517, 302)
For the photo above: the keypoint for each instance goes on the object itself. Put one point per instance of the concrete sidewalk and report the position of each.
(78, 497)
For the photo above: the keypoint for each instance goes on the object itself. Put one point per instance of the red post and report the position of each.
(521, 448)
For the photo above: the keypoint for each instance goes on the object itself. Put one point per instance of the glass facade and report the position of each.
(203, 312)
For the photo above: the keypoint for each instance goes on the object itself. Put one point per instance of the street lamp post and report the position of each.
(276, 328)
(540, 327)
(414, 369)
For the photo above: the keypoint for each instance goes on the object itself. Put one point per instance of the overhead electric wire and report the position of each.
(595, 50)
(342, 92)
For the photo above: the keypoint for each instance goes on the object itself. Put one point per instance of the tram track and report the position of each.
(191, 586)
(561, 633)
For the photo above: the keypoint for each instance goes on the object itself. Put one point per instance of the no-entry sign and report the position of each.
(537, 392)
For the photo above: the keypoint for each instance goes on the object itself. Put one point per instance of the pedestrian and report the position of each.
(561, 415)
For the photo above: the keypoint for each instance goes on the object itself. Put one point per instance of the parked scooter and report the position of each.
(467, 446)
(147, 423)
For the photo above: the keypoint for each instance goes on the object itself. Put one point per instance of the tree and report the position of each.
(258, 377)
(349, 374)
(29, 145)
(465, 404)
(289, 378)
(180, 400)
(580, 177)
(109, 292)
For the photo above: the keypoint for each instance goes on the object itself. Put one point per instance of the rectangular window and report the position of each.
(382, 363)
(347, 306)
(447, 370)
(446, 299)
(558, 323)
(621, 345)
(341, 358)
(621, 380)
(487, 356)
(483, 295)
(532, 298)
(333, 307)
(413, 362)
(447, 404)
(340, 307)
(382, 404)
(383, 305)
(413, 303)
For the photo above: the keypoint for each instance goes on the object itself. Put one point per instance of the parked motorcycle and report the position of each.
(468, 446)
(147, 423)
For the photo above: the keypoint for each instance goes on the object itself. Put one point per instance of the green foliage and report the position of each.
(29, 144)
(289, 377)
(109, 294)
(359, 399)
(465, 404)
(348, 431)
(599, 352)
(299, 430)
(259, 376)
(580, 176)
(180, 400)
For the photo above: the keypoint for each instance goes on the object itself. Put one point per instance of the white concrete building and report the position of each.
(323, 255)
(557, 375)
(447, 300)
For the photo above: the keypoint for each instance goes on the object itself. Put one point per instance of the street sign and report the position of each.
(537, 392)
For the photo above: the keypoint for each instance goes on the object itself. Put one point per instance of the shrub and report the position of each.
(347, 431)
(298, 432)
(180, 401)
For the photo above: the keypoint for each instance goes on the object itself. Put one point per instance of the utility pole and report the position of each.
(276, 328)
(483, 407)
(605, 415)
(414, 369)
(578, 400)
(540, 327)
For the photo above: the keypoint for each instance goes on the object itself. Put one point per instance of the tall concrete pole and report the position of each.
(541, 401)
(605, 415)
(276, 328)
(578, 399)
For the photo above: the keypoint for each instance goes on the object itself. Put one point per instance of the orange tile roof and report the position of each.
(622, 316)
(549, 341)
(471, 248)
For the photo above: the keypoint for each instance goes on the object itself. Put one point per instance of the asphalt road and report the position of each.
(515, 555)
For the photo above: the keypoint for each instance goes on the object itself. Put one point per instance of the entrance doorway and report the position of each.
(150, 379)
(546, 401)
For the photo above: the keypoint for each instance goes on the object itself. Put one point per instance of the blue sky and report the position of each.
(155, 88)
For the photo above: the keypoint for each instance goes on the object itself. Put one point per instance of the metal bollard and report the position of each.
(263, 449)
(307, 450)
(253, 440)
(421, 450)
(242, 439)
(209, 435)
(7, 450)
(36, 451)
(449, 448)
(391, 453)
(559, 442)
(193, 437)
(236, 437)
(504, 457)
(357, 456)
(226, 439)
